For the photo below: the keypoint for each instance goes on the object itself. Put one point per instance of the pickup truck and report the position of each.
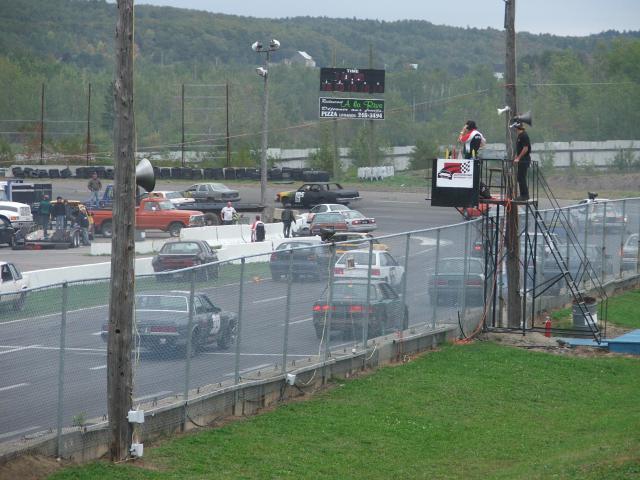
(12, 286)
(314, 193)
(151, 214)
(211, 209)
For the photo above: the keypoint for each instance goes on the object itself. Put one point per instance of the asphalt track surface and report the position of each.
(30, 347)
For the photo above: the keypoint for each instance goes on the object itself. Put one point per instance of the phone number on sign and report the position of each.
(370, 115)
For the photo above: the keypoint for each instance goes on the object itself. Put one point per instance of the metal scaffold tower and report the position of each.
(552, 256)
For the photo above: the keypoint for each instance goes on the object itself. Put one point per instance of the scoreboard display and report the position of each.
(351, 80)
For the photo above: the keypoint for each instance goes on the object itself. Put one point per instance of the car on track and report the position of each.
(13, 286)
(314, 193)
(357, 222)
(212, 192)
(629, 252)
(355, 264)
(308, 258)
(455, 274)
(350, 305)
(328, 223)
(177, 198)
(597, 213)
(302, 227)
(162, 322)
(184, 254)
(326, 207)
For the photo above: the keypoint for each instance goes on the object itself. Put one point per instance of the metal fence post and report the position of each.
(434, 297)
(367, 317)
(622, 232)
(238, 338)
(405, 321)
(604, 242)
(327, 331)
(465, 271)
(189, 348)
(63, 335)
(287, 315)
(586, 240)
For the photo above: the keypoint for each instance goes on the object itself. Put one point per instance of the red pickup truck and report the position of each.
(151, 214)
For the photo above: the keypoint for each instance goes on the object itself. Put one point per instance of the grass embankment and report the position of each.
(475, 411)
(622, 311)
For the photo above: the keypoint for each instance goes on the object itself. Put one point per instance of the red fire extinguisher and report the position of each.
(547, 327)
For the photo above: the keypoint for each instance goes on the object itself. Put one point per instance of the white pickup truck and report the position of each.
(19, 214)
(13, 287)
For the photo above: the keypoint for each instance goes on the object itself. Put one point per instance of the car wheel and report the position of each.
(19, 303)
(107, 229)
(211, 219)
(228, 337)
(174, 229)
(214, 272)
(202, 274)
(75, 240)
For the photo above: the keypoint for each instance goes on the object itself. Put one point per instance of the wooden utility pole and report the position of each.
(89, 125)
(372, 162)
(121, 302)
(42, 126)
(514, 313)
(228, 137)
(337, 168)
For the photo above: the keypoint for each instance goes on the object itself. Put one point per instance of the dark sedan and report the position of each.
(308, 258)
(455, 275)
(162, 323)
(349, 309)
(185, 254)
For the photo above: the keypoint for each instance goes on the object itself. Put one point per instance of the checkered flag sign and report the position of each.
(465, 167)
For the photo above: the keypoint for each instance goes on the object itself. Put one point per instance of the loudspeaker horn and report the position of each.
(524, 118)
(503, 109)
(145, 176)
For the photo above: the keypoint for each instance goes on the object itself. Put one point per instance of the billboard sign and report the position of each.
(357, 108)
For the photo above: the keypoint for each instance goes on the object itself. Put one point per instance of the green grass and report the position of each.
(622, 311)
(476, 411)
(90, 294)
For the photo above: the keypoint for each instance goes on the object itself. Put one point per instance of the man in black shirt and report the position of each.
(522, 160)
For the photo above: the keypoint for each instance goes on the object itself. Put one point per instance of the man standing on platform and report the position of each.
(472, 140)
(522, 160)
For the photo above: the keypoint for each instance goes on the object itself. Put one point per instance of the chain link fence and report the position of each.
(212, 327)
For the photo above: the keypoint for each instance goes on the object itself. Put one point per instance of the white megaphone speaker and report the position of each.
(503, 109)
(145, 176)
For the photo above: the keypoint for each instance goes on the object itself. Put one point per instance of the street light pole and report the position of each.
(265, 133)
(264, 73)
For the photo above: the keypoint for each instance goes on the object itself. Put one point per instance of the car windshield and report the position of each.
(168, 303)
(219, 186)
(170, 195)
(456, 265)
(181, 248)
(355, 292)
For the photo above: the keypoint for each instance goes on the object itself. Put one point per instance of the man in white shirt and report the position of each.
(227, 214)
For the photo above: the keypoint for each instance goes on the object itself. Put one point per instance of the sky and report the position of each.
(558, 17)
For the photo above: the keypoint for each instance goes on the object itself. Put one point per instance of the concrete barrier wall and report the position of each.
(53, 276)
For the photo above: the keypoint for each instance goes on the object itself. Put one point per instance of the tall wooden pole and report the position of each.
(42, 125)
(265, 132)
(89, 124)
(371, 122)
(514, 313)
(337, 169)
(121, 302)
(182, 142)
(228, 139)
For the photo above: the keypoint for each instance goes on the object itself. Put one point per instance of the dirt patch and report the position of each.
(30, 467)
